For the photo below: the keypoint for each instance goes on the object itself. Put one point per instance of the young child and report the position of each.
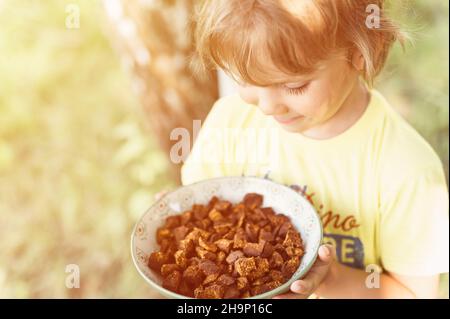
(305, 69)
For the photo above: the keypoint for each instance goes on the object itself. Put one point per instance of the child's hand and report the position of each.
(302, 289)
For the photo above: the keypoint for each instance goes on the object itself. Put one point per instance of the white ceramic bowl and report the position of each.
(281, 198)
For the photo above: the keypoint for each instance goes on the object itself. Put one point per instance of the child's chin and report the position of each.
(293, 128)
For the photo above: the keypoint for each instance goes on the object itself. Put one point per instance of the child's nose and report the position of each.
(269, 102)
(271, 108)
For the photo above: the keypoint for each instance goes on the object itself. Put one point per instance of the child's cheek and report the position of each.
(248, 95)
(307, 105)
(315, 100)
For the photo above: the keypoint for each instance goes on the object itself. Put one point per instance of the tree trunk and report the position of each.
(156, 40)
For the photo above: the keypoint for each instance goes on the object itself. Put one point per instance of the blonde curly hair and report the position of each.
(247, 38)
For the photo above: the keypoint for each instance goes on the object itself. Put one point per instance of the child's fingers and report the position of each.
(309, 284)
(326, 253)
(303, 287)
(291, 296)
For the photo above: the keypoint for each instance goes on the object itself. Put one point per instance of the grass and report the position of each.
(77, 166)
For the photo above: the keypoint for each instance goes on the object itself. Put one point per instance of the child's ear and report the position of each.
(357, 60)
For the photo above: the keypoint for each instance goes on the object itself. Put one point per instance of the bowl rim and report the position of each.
(281, 289)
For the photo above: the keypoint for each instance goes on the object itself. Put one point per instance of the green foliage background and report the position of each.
(78, 166)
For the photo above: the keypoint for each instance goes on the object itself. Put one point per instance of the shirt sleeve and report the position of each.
(414, 225)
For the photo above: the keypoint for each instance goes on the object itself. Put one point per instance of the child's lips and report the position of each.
(287, 121)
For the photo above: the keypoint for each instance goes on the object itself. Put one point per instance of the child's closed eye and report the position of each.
(297, 90)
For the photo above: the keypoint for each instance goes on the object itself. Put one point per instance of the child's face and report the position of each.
(304, 103)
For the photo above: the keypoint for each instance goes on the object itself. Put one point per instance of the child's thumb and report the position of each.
(327, 253)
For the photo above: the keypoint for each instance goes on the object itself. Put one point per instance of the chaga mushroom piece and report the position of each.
(185, 217)
(209, 267)
(196, 233)
(251, 232)
(166, 269)
(254, 249)
(253, 200)
(265, 235)
(212, 202)
(188, 246)
(203, 224)
(205, 254)
(172, 281)
(210, 292)
(292, 239)
(163, 234)
(198, 292)
(294, 251)
(222, 227)
(289, 267)
(157, 259)
(262, 264)
(233, 256)
(276, 261)
(276, 275)
(262, 267)
(172, 222)
(231, 292)
(193, 275)
(181, 258)
(245, 266)
(215, 215)
(230, 234)
(261, 280)
(284, 228)
(210, 278)
(268, 250)
(242, 283)
(260, 213)
(239, 239)
(180, 232)
(224, 244)
(206, 245)
(223, 206)
(221, 257)
(185, 289)
(199, 212)
(246, 294)
(168, 246)
(257, 290)
(225, 280)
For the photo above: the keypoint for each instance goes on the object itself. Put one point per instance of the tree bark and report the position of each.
(155, 39)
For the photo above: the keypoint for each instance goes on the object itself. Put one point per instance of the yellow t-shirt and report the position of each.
(378, 187)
